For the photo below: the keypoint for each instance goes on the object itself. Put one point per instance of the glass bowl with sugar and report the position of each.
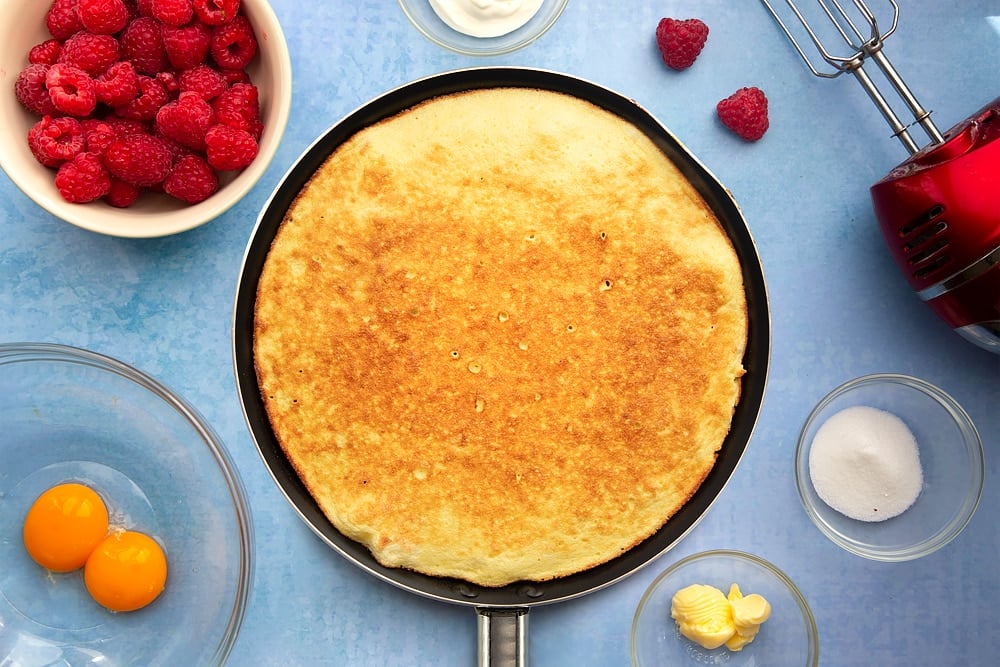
(889, 467)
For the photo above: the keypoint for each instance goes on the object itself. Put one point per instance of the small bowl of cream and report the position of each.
(889, 467)
(483, 27)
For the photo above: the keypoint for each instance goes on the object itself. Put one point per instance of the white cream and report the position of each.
(486, 18)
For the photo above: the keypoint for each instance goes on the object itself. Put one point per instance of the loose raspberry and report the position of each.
(173, 12)
(239, 107)
(46, 53)
(186, 120)
(56, 140)
(83, 179)
(186, 46)
(62, 19)
(680, 41)
(234, 44)
(228, 148)
(102, 17)
(745, 113)
(91, 53)
(140, 159)
(235, 76)
(118, 85)
(122, 194)
(152, 96)
(71, 89)
(216, 12)
(30, 90)
(192, 180)
(97, 135)
(204, 80)
(142, 43)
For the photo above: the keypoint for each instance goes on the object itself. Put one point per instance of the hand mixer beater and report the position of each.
(939, 210)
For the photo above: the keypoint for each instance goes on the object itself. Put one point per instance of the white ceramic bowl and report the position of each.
(22, 25)
(427, 21)
(951, 459)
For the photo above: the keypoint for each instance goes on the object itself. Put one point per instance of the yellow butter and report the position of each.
(711, 619)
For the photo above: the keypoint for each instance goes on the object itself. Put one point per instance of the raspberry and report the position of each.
(216, 12)
(117, 86)
(235, 76)
(172, 12)
(170, 82)
(745, 113)
(71, 89)
(234, 44)
(192, 180)
(83, 179)
(238, 107)
(91, 53)
(186, 120)
(144, 7)
(46, 53)
(140, 159)
(102, 17)
(56, 140)
(228, 148)
(122, 194)
(126, 126)
(62, 19)
(204, 80)
(680, 42)
(142, 43)
(187, 46)
(152, 96)
(97, 135)
(30, 90)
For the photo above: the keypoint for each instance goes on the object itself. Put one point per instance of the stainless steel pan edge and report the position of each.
(502, 612)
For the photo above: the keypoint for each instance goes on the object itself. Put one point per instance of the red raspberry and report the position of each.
(102, 17)
(192, 180)
(234, 44)
(216, 12)
(204, 80)
(171, 83)
(173, 12)
(30, 90)
(126, 126)
(56, 140)
(144, 7)
(71, 89)
(140, 159)
(186, 120)
(142, 43)
(228, 148)
(745, 113)
(83, 179)
(186, 46)
(235, 76)
(117, 86)
(680, 42)
(91, 53)
(152, 96)
(239, 107)
(46, 53)
(122, 194)
(62, 19)
(97, 135)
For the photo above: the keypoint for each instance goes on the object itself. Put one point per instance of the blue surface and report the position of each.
(840, 309)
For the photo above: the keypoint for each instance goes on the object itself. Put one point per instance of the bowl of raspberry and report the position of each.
(141, 118)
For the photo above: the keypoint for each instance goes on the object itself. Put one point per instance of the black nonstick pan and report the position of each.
(503, 612)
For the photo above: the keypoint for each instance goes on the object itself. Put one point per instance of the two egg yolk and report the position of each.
(67, 528)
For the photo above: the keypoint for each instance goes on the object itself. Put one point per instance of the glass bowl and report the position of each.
(427, 21)
(787, 639)
(72, 415)
(951, 459)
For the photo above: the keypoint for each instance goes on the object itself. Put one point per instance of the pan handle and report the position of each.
(503, 636)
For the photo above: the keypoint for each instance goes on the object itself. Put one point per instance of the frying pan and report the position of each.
(503, 612)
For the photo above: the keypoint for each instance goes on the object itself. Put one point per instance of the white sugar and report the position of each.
(865, 464)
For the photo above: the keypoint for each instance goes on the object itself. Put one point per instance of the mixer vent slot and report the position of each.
(921, 220)
(925, 242)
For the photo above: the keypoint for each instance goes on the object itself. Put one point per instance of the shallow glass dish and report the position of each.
(787, 639)
(72, 415)
(951, 459)
(427, 21)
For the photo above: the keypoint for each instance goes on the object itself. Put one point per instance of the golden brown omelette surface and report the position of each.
(499, 336)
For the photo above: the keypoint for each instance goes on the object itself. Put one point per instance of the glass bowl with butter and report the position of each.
(889, 467)
(724, 607)
(483, 27)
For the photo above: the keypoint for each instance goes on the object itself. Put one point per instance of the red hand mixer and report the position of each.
(939, 210)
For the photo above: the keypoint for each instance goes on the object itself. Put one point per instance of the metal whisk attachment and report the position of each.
(860, 30)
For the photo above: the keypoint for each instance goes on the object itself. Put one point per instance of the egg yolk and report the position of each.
(64, 525)
(126, 571)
